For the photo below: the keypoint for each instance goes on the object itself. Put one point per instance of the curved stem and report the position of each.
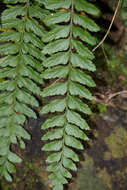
(108, 31)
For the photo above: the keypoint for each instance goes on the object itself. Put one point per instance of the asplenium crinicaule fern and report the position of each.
(20, 68)
(66, 60)
(68, 64)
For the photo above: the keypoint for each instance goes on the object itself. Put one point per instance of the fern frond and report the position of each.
(69, 61)
(20, 72)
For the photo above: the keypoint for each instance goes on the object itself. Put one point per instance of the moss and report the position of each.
(88, 160)
(87, 179)
(122, 174)
(103, 174)
(31, 165)
(107, 155)
(102, 108)
(5, 186)
(17, 179)
(96, 133)
(117, 143)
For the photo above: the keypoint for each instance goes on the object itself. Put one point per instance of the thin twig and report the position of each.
(107, 100)
(108, 31)
(115, 94)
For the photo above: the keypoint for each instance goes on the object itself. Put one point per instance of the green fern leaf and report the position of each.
(56, 59)
(87, 7)
(86, 23)
(56, 4)
(54, 122)
(56, 105)
(58, 32)
(59, 45)
(59, 71)
(84, 35)
(58, 17)
(20, 74)
(55, 89)
(69, 62)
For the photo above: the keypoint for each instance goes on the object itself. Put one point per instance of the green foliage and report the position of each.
(68, 62)
(123, 11)
(65, 51)
(20, 74)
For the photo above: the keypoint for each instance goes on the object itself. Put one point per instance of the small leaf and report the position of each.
(32, 50)
(37, 12)
(54, 134)
(53, 167)
(24, 109)
(79, 76)
(55, 157)
(87, 7)
(29, 60)
(10, 167)
(32, 38)
(86, 22)
(6, 98)
(56, 59)
(57, 178)
(56, 105)
(19, 118)
(10, 36)
(76, 132)
(59, 186)
(55, 46)
(15, 1)
(82, 50)
(69, 153)
(57, 121)
(56, 4)
(82, 62)
(55, 89)
(77, 89)
(58, 17)
(84, 35)
(76, 119)
(52, 146)
(9, 61)
(59, 71)
(34, 26)
(14, 158)
(13, 139)
(14, 11)
(7, 176)
(31, 73)
(73, 142)
(8, 72)
(56, 33)
(7, 85)
(29, 84)
(20, 131)
(13, 23)
(4, 132)
(1, 160)
(22, 144)
(69, 164)
(65, 172)
(76, 104)
(4, 122)
(6, 49)
(23, 96)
